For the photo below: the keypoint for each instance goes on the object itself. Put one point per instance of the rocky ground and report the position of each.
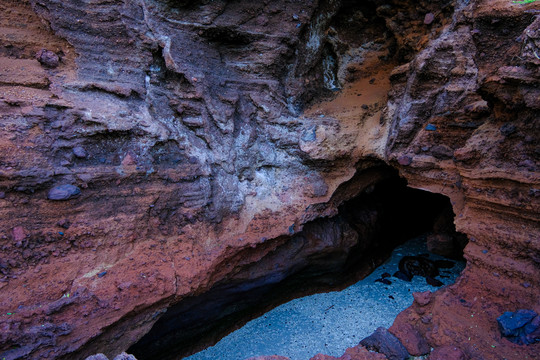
(156, 151)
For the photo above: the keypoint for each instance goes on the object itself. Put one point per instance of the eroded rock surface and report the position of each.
(196, 136)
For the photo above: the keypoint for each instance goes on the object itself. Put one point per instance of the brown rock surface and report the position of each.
(206, 149)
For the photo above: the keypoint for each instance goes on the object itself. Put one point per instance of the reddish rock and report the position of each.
(447, 353)
(409, 336)
(423, 298)
(361, 353)
(18, 233)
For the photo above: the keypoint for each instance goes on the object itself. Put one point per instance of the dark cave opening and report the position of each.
(354, 243)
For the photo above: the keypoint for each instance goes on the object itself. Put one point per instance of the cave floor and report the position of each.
(330, 322)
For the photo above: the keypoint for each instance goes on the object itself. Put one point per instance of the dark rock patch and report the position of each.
(520, 327)
(384, 342)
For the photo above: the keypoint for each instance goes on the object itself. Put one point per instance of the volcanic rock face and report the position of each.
(189, 146)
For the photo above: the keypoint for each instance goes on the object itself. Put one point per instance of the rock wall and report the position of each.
(145, 144)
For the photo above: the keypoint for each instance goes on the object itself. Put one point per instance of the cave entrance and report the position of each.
(391, 213)
(382, 217)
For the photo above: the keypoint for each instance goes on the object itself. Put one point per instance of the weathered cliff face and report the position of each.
(195, 134)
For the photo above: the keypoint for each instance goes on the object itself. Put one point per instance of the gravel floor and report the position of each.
(331, 322)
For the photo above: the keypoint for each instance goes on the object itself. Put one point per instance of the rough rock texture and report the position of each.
(386, 343)
(193, 133)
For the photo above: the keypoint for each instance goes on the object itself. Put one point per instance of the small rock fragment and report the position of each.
(64, 223)
(2, 195)
(47, 58)
(18, 233)
(428, 19)
(478, 107)
(404, 160)
(80, 152)
(431, 127)
(102, 274)
(508, 129)
(384, 281)
(422, 298)
(63, 192)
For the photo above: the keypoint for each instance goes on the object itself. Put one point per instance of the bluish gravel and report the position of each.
(331, 322)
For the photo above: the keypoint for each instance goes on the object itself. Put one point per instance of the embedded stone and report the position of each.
(80, 152)
(47, 58)
(63, 192)
(428, 19)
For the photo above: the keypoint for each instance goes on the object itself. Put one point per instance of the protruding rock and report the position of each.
(47, 58)
(428, 19)
(422, 298)
(80, 152)
(415, 344)
(63, 192)
(18, 233)
(521, 327)
(384, 342)
(404, 160)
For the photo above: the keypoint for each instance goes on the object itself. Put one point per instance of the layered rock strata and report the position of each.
(148, 145)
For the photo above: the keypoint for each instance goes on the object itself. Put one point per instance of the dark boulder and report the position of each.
(384, 342)
(520, 327)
